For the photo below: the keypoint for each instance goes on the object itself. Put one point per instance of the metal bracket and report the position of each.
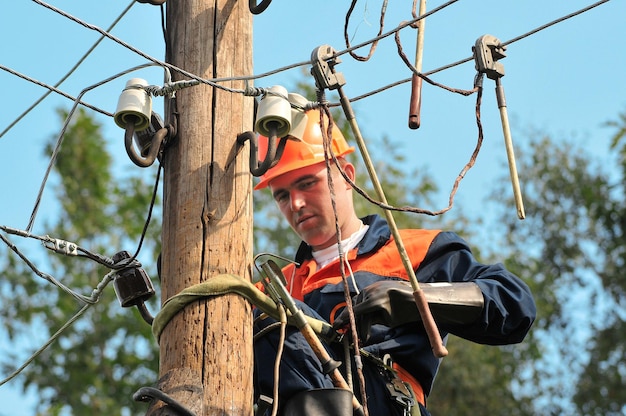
(61, 246)
(487, 51)
(150, 141)
(258, 8)
(323, 61)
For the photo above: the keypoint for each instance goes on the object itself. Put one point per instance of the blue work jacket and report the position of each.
(437, 256)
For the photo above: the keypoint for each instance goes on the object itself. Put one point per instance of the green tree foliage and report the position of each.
(477, 379)
(572, 252)
(103, 358)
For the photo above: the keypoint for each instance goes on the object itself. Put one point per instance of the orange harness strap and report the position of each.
(418, 391)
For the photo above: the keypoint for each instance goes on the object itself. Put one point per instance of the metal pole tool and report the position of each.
(323, 61)
(273, 283)
(487, 52)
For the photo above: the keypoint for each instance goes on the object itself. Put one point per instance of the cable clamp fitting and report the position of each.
(487, 51)
(323, 61)
(61, 246)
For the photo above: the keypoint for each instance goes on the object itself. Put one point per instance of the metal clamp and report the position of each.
(399, 391)
(323, 61)
(274, 282)
(487, 51)
(61, 246)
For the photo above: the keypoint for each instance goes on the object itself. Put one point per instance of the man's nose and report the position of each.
(297, 200)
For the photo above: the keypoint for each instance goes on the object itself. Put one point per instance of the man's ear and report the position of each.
(350, 171)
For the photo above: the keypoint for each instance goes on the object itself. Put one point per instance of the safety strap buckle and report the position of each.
(399, 391)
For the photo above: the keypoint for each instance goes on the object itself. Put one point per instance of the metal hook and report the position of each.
(152, 2)
(258, 8)
(145, 394)
(273, 155)
(150, 141)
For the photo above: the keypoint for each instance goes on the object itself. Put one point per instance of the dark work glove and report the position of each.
(387, 302)
(391, 303)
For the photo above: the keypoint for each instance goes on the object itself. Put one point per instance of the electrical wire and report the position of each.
(68, 248)
(70, 72)
(53, 89)
(97, 292)
(374, 44)
(46, 276)
(135, 50)
(213, 82)
(64, 247)
(401, 26)
(410, 23)
(554, 22)
(279, 354)
(59, 140)
(327, 144)
(471, 58)
(150, 211)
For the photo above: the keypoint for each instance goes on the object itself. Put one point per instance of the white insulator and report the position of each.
(274, 111)
(134, 105)
(298, 116)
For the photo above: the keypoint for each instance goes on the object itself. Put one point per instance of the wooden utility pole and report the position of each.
(206, 350)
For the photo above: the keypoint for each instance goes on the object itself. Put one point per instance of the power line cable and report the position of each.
(59, 141)
(97, 292)
(554, 22)
(135, 50)
(53, 89)
(214, 82)
(67, 75)
(471, 58)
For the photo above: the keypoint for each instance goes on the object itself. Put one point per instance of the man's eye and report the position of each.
(307, 184)
(281, 197)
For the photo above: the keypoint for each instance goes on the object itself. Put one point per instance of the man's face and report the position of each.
(304, 199)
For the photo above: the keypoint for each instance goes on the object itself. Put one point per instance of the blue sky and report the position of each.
(565, 80)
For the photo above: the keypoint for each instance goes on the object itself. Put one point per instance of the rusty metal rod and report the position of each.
(416, 81)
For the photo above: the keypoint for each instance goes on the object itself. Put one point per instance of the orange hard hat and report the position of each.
(305, 152)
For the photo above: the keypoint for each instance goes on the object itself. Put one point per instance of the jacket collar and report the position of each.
(375, 237)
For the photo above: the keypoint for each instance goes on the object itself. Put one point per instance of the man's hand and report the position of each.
(388, 302)
(391, 303)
